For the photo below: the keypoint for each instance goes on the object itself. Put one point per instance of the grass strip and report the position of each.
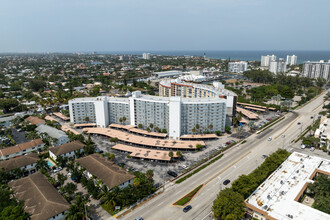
(198, 169)
(303, 134)
(184, 200)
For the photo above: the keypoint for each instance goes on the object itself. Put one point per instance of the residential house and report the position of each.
(66, 150)
(21, 149)
(105, 170)
(41, 199)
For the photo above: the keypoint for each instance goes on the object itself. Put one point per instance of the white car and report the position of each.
(270, 138)
(312, 148)
(303, 146)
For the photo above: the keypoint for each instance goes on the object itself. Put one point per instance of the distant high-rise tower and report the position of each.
(277, 66)
(291, 60)
(265, 60)
(146, 56)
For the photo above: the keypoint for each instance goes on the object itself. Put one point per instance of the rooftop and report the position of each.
(20, 147)
(67, 128)
(133, 129)
(66, 148)
(40, 198)
(145, 141)
(145, 153)
(19, 162)
(35, 120)
(277, 196)
(53, 132)
(61, 116)
(111, 174)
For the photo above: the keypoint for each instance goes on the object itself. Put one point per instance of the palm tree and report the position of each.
(77, 209)
(210, 126)
(251, 125)
(120, 120)
(157, 129)
(193, 130)
(140, 126)
(124, 119)
(179, 153)
(151, 126)
(197, 127)
(42, 164)
(170, 154)
(87, 119)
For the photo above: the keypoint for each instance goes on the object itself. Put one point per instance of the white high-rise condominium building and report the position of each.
(291, 60)
(146, 56)
(317, 69)
(277, 66)
(265, 60)
(237, 67)
(177, 115)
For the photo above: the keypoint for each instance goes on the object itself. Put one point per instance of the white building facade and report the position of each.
(317, 69)
(146, 56)
(291, 60)
(237, 67)
(176, 115)
(278, 66)
(265, 60)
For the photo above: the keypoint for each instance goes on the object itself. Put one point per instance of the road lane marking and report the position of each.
(288, 127)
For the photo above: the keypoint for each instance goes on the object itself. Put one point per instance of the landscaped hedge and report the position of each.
(246, 184)
(198, 169)
(188, 197)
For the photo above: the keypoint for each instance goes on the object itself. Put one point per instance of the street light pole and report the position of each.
(283, 136)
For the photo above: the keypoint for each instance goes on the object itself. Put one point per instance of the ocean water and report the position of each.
(247, 55)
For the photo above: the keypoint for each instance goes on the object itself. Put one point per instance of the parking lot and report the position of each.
(161, 168)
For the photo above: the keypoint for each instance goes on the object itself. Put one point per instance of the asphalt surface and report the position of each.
(241, 159)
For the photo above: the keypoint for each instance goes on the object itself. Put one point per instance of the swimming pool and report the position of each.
(50, 164)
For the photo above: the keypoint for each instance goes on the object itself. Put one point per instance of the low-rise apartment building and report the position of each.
(60, 136)
(21, 149)
(66, 150)
(323, 132)
(26, 163)
(111, 174)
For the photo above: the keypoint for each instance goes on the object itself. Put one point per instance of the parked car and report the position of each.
(270, 138)
(187, 208)
(172, 173)
(312, 148)
(226, 182)
(139, 218)
(264, 156)
(227, 143)
(303, 146)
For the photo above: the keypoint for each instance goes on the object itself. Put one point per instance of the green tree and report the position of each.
(140, 126)
(179, 153)
(61, 178)
(77, 208)
(228, 205)
(149, 174)
(170, 154)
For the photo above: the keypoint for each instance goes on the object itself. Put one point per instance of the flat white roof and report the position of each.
(276, 196)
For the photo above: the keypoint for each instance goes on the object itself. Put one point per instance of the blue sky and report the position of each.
(151, 25)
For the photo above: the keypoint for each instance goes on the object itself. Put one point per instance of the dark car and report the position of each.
(226, 182)
(157, 185)
(187, 208)
(172, 173)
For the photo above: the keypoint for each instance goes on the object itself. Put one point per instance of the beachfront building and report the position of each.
(237, 67)
(317, 69)
(265, 60)
(291, 60)
(277, 66)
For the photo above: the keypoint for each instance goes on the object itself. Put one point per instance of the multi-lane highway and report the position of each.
(241, 159)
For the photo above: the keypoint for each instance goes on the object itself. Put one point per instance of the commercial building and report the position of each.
(41, 199)
(265, 60)
(21, 149)
(281, 195)
(66, 150)
(111, 174)
(176, 115)
(146, 56)
(237, 67)
(317, 69)
(278, 66)
(291, 60)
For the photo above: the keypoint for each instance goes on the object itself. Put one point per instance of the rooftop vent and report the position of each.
(265, 207)
(297, 171)
(269, 197)
(282, 193)
(290, 216)
(282, 182)
(301, 159)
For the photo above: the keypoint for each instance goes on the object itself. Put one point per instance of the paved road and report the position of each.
(241, 159)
